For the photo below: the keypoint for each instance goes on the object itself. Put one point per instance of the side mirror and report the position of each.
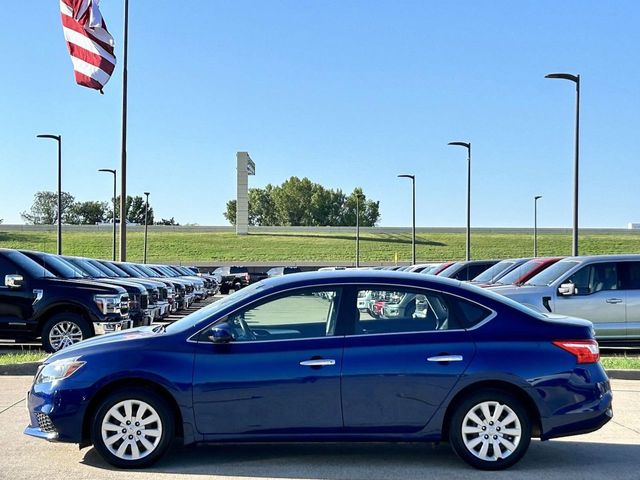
(567, 289)
(13, 281)
(221, 333)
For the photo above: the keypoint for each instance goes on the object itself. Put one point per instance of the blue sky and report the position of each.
(346, 93)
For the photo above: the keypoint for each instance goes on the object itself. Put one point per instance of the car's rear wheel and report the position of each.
(64, 329)
(490, 430)
(132, 428)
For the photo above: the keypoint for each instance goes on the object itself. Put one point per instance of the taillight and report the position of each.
(246, 277)
(585, 351)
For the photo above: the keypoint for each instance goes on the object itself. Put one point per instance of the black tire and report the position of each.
(58, 320)
(224, 290)
(140, 395)
(457, 439)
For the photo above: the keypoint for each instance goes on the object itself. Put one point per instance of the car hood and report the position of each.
(94, 286)
(126, 338)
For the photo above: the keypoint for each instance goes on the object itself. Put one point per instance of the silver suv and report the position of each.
(604, 289)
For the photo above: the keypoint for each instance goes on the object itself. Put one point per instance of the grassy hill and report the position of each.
(202, 246)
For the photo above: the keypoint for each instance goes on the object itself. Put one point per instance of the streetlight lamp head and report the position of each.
(460, 144)
(147, 193)
(53, 137)
(537, 197)
(564, 76)
(412, 177)
(109, 170)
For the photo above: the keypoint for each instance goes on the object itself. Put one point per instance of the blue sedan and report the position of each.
(308, 357)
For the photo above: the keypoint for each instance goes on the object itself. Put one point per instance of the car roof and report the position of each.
(603, 258)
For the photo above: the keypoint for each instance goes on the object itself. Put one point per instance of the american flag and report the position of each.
(90, 44)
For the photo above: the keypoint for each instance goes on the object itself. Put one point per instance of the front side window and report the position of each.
(299, 315)
(413, 310)
(595, 278)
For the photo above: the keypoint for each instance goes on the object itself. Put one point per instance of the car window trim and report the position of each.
(193, 338)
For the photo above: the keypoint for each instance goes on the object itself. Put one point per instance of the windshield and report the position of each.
(30, 267)
(551, 274)
(514, 275)
(494, 272)
(86, 267)
(59, 267)
(210, 310)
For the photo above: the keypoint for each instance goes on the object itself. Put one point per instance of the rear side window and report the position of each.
(629, 273)
(414, 310)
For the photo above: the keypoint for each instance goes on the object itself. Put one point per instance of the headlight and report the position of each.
(58, 370)
(108, 303)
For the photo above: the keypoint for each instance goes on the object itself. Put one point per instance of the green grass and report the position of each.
(207, 246)
(623, 362)
(21, 357)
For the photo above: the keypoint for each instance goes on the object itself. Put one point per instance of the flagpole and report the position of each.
(123, 164)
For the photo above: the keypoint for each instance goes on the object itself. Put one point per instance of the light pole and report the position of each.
(58, 138)
(107, 170)
(413, 229)
(468, 147)
(576, 163)
(358, 197)
(146, 221)
(535, 224)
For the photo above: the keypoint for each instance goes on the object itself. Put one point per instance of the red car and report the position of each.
(525, 271)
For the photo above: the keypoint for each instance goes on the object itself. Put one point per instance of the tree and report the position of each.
(302, 202)
(88, 213)
(45, 207)
(170, 221)
(134, 210)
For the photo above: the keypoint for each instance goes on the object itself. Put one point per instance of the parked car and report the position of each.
(279, 271)
(139, 313)
(235, 278)
(604, 289)
(438, 268)
(524, 272)
(422, 267)
(157, 303)
(497, 271)
(292, 359)
(35, 304)
(466, 270)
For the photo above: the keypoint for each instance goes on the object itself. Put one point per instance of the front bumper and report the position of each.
(102, 328)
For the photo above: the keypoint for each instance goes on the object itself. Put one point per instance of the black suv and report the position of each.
(34, 303)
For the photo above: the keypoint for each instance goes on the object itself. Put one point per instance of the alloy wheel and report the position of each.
(64, 334)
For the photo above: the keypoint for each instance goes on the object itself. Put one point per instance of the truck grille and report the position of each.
(45, 423)
(144, 301)
(154, 296)
(124, 305)
(163, 293)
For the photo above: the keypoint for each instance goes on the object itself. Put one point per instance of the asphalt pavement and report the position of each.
(612, 452)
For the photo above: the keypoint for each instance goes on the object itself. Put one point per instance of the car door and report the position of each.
(630, 280)
(597, 298)
(399, 367)
(16, 303)
(279, 374)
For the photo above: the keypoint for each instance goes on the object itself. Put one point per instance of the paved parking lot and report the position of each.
(612, 452)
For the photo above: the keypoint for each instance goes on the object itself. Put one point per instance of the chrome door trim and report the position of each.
(445, 358)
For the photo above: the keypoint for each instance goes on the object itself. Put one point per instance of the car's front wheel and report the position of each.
(132, 428)
(64, 329)
(490, 430)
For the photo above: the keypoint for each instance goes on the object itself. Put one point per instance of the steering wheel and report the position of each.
(243, 331)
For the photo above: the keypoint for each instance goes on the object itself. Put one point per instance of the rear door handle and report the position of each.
(614, 300)
(445, 358)
(318, 362)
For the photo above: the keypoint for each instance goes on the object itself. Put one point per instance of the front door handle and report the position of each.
(445, 358)
(318, 362)
(614, 300)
